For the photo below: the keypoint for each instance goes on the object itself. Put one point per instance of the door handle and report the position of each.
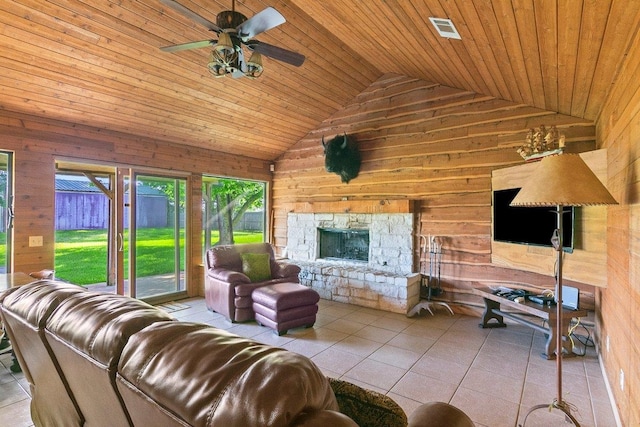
(120, 242)
(10, 217)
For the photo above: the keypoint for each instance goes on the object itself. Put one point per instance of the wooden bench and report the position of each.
(493, 311)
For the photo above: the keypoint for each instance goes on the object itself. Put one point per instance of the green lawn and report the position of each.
(3, 246)
(81, 255)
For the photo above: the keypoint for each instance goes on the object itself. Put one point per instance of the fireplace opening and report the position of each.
(344, 244)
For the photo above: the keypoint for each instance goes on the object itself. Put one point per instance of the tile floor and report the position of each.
(495, 375)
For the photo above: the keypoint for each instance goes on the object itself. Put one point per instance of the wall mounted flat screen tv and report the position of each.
(529, 226)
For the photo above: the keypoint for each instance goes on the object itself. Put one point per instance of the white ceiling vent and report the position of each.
(445, 28)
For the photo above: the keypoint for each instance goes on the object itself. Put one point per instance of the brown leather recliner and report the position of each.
(86, 335)
(228, 290)
(25, 312)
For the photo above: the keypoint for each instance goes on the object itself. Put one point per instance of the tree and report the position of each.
(3, 188)
(4, 203)
(228, 200)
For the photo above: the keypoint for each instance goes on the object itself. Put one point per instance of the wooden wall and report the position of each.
(38, 143)
(587, 262)
(433, 144)
(619, 131)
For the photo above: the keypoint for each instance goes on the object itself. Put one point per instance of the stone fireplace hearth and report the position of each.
(385, 281)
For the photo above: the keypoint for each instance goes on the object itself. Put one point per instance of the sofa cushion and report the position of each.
(240, 382)
(256, 266)
(366, 407)
(224, 256)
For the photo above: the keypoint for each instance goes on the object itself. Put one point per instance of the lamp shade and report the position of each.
(563, 179)
(224, 45)
(254, 65)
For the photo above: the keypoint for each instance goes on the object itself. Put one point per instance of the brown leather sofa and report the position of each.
(98, 359)
(228, 290)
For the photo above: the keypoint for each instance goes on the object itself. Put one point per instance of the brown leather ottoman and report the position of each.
(285, 306)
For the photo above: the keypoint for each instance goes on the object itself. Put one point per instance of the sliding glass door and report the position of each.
(151, 234)
(125, 227)
(6, 210)
(82, 220)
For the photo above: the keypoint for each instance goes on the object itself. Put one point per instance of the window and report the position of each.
(233, 211)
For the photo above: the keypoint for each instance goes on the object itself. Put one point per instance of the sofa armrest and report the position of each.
(285, 269)
(229, 276)
(439, 414)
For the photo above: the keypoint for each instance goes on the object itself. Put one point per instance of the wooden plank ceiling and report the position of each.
(98, 63)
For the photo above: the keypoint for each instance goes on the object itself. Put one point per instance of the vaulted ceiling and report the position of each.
(98, 63)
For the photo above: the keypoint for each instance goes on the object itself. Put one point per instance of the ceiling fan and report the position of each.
(234, 31)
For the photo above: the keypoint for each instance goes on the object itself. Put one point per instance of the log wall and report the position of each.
(38, 143)
(587, 262)
(437, 146)
(619, 131)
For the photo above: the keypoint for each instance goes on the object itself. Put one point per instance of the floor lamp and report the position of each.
(559, 181)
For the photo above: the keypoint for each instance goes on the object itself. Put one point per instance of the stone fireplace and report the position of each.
(372, 260)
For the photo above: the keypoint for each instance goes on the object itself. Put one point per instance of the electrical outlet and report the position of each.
(35, 241)
(621, 380)
(607, 341)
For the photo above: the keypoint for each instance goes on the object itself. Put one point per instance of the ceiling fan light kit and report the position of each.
(234, 32)
(226, 58)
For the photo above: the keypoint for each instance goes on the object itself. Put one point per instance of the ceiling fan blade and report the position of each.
(191, 15)
(190, 45)
(259, 23)
(278, 53)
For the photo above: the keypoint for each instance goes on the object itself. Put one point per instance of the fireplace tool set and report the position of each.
(430, 284)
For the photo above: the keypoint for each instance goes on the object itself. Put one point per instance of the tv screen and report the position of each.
(530, 226)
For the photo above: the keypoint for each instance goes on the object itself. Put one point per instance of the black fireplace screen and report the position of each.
(344, 244)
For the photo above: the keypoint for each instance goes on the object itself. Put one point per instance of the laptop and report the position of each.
(570, 297)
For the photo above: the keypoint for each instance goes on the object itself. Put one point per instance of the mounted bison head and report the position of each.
(341, 156)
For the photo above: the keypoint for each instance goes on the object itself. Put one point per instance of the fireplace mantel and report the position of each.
(355, 206)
